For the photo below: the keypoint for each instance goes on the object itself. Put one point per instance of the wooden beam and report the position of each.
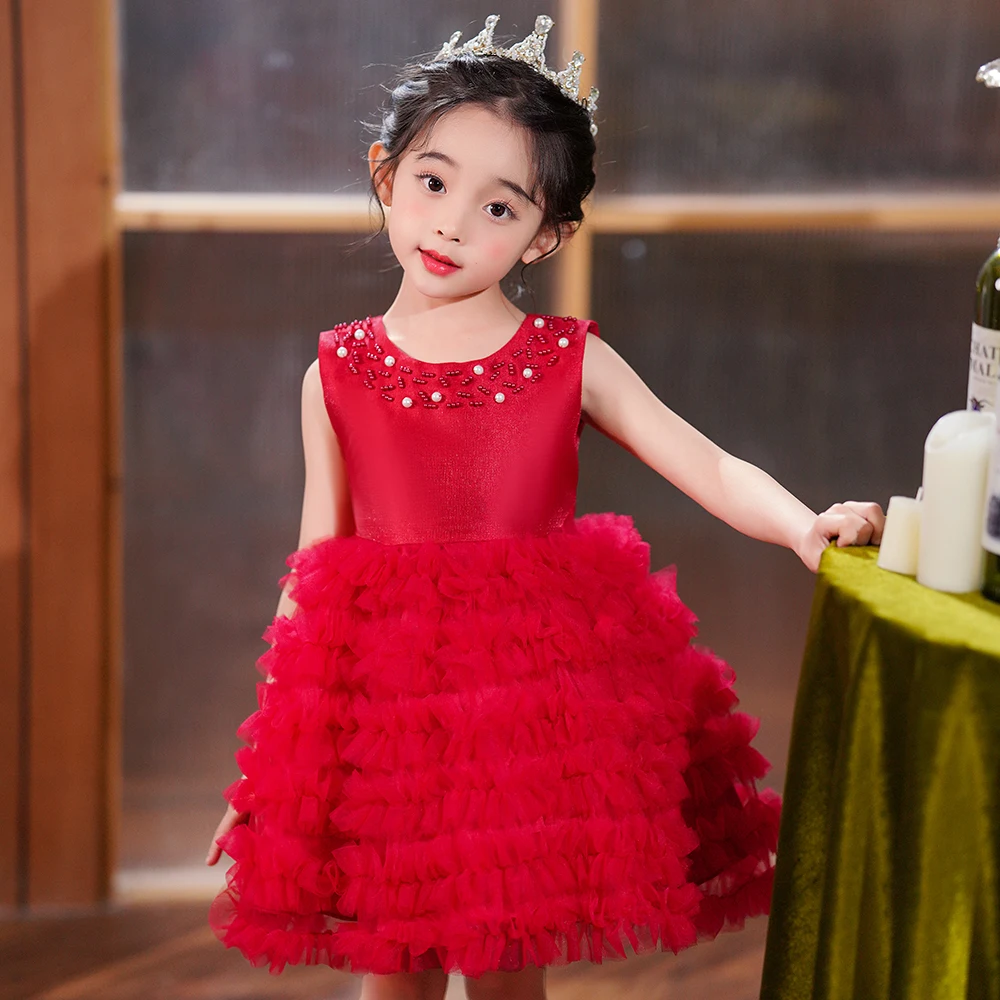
(114, 766)
(12, 496)
(879, 211)
(932, 211)
(578, 32)
(145, 211)
(573, 264)
(68, 235)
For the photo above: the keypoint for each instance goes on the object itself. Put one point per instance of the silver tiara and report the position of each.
(530, 51)
(990, 74)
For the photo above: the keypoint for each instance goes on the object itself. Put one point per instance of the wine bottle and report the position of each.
(991, 524)
(984, 356)
(984, 367)
(991, 535)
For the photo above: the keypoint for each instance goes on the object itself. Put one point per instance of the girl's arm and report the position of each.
(622, 406)
(326, 510)
(326, 500)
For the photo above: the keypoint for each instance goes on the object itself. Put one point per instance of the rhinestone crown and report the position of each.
(990, 74)
(530, 51)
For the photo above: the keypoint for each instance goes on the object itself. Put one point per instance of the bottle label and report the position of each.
(984, 364)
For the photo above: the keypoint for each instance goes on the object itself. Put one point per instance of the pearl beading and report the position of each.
(368, 360)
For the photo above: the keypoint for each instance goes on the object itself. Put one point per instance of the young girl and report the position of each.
(486, 743)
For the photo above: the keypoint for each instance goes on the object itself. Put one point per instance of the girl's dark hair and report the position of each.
(559, 128)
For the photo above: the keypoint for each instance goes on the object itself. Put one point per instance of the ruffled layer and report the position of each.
(479, 755)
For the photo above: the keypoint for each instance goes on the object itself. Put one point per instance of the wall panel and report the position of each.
(12, 512)
(67, 240)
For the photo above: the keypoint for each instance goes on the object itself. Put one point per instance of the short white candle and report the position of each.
(956, 457)
(900, 543)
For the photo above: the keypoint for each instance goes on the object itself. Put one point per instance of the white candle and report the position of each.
(900, 536)
(956, 456)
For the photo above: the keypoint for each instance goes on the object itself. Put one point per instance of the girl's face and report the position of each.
(461, 215)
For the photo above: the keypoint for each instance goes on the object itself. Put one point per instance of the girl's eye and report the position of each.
(500, 209)
(432, 183)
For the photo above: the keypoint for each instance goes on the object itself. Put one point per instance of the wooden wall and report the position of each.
(59, 475)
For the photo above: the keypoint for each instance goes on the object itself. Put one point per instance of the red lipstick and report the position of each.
(438, 263)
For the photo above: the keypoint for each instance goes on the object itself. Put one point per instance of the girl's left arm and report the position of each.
(622, 406)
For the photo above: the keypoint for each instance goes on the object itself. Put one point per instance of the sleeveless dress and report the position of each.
(485, 738)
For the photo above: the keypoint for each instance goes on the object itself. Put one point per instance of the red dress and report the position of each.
(487, 739)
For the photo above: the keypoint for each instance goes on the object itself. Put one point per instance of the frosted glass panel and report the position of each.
(797, 94)
(825, 357)
(251, 95)
(219, 332)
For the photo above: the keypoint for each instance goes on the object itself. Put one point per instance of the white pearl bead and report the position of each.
(539, 322)
(478, 369)
(527, 373)
(563, 341)
(436, 397)
(389, 361)
(499, 397)
(341, 352)
(407, 401)
(359, 334)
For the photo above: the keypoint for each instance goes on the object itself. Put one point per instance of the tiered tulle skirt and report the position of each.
(481, 755)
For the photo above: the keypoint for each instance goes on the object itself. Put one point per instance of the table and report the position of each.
(886, 884)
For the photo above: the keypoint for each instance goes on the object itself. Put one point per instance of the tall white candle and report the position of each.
(956, 456)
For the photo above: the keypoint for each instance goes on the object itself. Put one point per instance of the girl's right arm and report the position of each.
(326, 501)
(621, 405)
(326, 510)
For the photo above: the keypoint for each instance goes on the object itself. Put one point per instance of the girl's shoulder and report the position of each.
(351, 341)
(564, 324)
(354, 329)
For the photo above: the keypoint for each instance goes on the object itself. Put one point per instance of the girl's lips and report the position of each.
(437, 264)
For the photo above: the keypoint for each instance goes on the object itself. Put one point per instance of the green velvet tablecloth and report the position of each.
(887, 876)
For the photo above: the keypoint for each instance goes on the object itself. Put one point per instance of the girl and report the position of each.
(486, 743)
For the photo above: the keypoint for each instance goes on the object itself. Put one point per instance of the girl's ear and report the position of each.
(546, 240)
(383, 182)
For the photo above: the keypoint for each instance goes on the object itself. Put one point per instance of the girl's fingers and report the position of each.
(848, 528)
(828, 524)
(872, 513)
(876, 516)
(231, 819)
(851, 523)
(855, 531)
(215, 852)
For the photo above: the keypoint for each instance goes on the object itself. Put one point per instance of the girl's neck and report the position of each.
(424, 320)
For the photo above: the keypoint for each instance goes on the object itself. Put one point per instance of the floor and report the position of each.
(166, 951)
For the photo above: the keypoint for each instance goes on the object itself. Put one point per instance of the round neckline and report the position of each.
(391, 347)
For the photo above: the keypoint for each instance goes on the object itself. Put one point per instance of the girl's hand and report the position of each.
(851, 523)
(231, 819)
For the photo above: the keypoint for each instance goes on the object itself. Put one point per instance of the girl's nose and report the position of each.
(450, 223)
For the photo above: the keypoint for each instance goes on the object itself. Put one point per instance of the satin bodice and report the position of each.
(446, 451)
